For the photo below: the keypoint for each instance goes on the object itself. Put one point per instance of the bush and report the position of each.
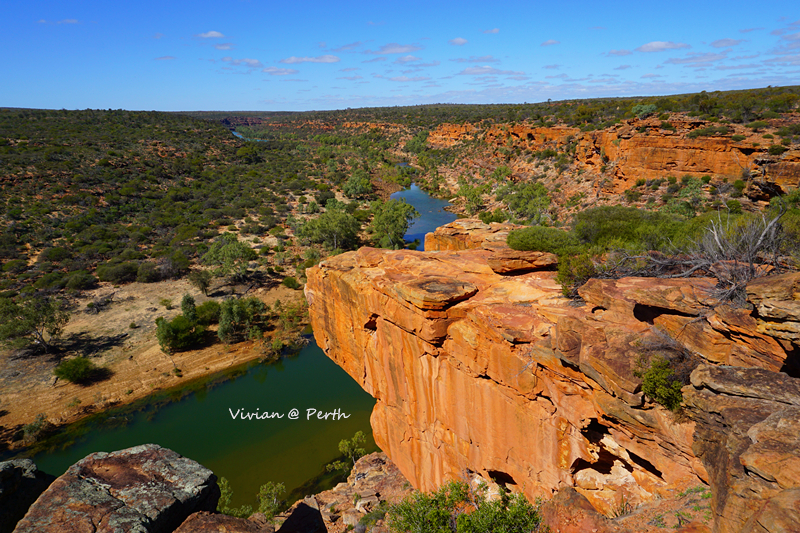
(574, 271)
(118, 273)
(776, 149)
(660, 383)
(543, 239)
(208, 313)
(738, 138)
(291, 282)
(80, 280)
(77, 370)
(178, 334)
(147, 273)
(444, 511)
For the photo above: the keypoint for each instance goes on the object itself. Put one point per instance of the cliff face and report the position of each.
(478, 363)
(637, 149)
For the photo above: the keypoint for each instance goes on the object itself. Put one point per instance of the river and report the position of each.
(196, 419)
(431, 210)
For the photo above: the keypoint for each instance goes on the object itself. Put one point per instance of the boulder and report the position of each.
(20, 484)
(144, 489)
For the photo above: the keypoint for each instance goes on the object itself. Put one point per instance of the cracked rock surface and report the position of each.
(144, 489)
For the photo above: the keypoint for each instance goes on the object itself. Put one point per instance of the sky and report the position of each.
(177, 55)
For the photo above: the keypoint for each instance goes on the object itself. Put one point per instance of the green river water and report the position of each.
(195, 419)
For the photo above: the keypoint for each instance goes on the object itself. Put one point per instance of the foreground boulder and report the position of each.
(144, 489)
(20, 484)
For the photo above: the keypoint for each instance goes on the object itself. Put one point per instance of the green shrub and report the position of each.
(776, 149)
(178, 334)
(208, 313)
(574, 271)
(80, 280)
(543, 239)
(625, 227)
(291, 282)
(738, 138)
(147, 273)
(443, 511)
(77, 370)
(118, 273)
(660, 383)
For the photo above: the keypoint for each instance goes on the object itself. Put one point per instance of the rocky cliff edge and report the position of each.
(480, 365)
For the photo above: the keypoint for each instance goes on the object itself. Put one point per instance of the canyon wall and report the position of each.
(643, 149)
(480, 365)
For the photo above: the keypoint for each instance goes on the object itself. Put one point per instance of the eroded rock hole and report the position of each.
(372, 323)
(501, 478)
(645, 464)
(648, 313)
(603, 464)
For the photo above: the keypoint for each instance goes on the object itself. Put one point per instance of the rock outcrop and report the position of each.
(495, 372)
(643, 148)
(145, 489)
(20, 484)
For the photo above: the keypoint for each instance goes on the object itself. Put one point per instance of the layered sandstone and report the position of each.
(487, 370)
(642, 149)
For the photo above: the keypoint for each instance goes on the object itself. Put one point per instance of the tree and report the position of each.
(178, 334)
(188, 308)
(351, 449)
(200, 279)
(357, 185)
(38, 319)
(229, 256)
(268, 501)
(390, 222)
(334, 229)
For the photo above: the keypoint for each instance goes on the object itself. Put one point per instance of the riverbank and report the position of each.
(121, 339)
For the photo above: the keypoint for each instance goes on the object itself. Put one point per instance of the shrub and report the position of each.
(574, 271)
(738, 138)
(77, 370)
(660, 383)
(208, 313)
(444, 511)
(80, 280)
(178, 334)
(147, 273)
(118, 273)
(291, 282)
(776, 149)
(543, 239)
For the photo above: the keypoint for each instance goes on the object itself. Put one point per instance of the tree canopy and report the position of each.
(37, 319)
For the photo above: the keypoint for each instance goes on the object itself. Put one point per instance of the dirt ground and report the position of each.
(121, 338)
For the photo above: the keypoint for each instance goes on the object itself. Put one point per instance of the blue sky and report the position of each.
(265, 55)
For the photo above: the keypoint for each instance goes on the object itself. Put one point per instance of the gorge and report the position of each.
(478, 364)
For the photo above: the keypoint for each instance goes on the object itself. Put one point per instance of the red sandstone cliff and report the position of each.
(499, 374)
(641, 149)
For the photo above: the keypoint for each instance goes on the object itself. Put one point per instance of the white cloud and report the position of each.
(554, 66)
(223, 46)
(652, 76)
(275, 71)
(406, 78)
(407, 59)
(210, 35)
(724, 43)
(395, 48)
(748, 30)
(374, 60)
(486, 69)
(660, 46)
(737, 67)
(349, 47)
(476, 59)
(697, 59)
(493, 30)
(623, 67)
(319, 59)
(247, 62)
(165, 58)
(550, 42)
(458, 41)
(619, 53)
(351, 78)
(67, 21)
(158, 36)
(350, 69)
